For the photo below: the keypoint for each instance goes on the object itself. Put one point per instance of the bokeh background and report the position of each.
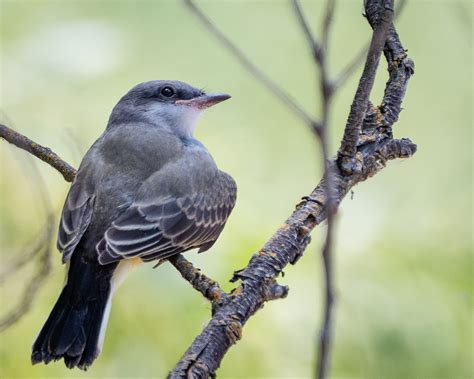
(404, 243)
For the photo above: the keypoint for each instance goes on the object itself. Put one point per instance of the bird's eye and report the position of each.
(168, 91)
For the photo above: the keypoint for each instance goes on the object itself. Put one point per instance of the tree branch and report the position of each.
(209, 288)
(373, 147)
(286, 246)
(314, 45)
(358, 59)
(41, 152)
(348, 149)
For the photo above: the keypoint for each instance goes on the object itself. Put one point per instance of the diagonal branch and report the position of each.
(209, 288)
(253, 69)
(313, 43)
(41, 152)
(373, 146)
(286, 246)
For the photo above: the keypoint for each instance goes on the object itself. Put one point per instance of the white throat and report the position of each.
(179, 119)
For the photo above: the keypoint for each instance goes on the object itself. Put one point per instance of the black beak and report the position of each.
(205, 101)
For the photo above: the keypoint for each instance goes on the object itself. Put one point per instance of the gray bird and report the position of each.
(145, 191)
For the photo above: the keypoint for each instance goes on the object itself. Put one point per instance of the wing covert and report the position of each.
(160, 228)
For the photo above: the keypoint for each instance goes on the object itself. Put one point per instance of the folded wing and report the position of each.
(159, 228)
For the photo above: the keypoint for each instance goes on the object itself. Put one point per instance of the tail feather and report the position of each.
(73, 329)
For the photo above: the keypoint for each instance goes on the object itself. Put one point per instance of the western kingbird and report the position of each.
(146, 190)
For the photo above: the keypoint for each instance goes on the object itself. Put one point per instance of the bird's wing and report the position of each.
(157, 228)
(75, 218)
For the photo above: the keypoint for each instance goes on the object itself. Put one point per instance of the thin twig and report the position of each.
(358, 59)
(314, 45)
(253, 69)
(320, 53)
(25, 256)
(327, 21)
(209, 288)
(41, 152)
(35, 283)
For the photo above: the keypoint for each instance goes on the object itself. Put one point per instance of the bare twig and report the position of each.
(27, 255)
(35, 282)
(320, 52)
(254, 70)
(358, 59)
(41, 152)
(325, 335)
(328, 16)
(313, 43)
(209, 288)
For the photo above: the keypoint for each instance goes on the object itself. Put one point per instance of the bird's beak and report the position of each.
(205, 101)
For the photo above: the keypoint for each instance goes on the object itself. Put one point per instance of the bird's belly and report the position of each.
(124, 268)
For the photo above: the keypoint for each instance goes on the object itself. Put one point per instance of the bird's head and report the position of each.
(170, 104)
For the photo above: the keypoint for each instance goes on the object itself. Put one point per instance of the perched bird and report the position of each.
(145, 191)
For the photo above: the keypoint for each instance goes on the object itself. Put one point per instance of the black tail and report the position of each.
(74, 328)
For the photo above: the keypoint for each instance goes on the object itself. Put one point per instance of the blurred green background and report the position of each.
(404, 243)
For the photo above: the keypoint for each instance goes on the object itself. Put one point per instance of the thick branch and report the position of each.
(286, 246)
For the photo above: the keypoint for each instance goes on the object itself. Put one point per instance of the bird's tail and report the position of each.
(75, 329)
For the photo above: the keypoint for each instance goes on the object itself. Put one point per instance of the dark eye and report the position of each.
(168, 91)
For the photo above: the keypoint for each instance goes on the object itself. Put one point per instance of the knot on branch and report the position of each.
(273, 291)
(380, 153)
(351, 165)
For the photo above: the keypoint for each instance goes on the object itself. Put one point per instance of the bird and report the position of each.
(145, 191)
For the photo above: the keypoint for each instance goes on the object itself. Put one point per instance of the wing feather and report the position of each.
(159, 228)
(75, 218)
